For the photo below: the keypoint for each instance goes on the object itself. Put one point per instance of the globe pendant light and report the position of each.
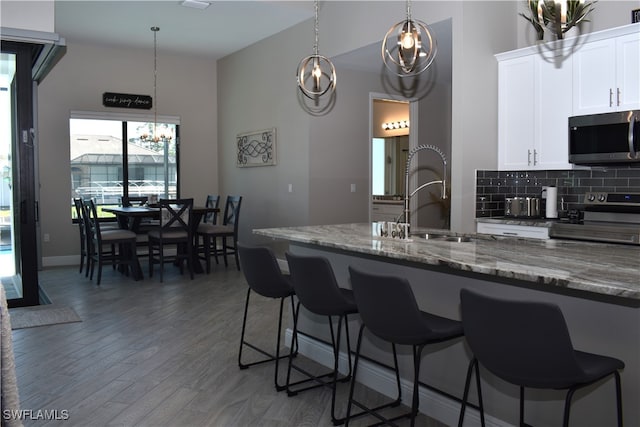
(409, 47)
(316, 73)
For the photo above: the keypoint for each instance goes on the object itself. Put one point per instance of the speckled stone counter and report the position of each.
(599, 268)
(526, 222)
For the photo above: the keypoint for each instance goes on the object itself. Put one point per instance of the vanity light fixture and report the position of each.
(557, 16)
(409, 47)
(402, 124)
(316, 73)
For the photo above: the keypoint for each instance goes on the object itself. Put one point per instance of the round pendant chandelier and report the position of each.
(409, 47)
(316, 74)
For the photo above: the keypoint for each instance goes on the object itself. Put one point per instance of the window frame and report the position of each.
(125, 118)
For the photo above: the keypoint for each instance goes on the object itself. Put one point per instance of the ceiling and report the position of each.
(219, 30)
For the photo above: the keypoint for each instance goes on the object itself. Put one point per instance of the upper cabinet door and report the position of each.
(606, 75)
(628, 71)
(594, 77)
(516, 90)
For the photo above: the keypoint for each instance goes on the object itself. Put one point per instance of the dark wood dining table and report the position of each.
(130, 218)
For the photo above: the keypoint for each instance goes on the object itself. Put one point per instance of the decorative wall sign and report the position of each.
(635, 16)
(256, 148)
(127, 100)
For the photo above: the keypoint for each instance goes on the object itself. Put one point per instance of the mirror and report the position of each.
(389, 148)
(388, 160)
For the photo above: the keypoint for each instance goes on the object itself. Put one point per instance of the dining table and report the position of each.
(131, 217)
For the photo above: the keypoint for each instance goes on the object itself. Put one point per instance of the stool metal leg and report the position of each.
(373, 411)
(270, 357)
(473, 365)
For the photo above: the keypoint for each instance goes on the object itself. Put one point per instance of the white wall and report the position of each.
(28, 15)
(186, 88)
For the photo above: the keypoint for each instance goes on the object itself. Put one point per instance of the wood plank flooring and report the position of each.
(160, 354)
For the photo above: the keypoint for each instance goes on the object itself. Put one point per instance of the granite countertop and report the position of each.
(601, 268)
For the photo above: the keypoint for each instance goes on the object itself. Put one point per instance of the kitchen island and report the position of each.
(596, 285)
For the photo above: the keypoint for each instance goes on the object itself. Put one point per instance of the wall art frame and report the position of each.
(257, 148)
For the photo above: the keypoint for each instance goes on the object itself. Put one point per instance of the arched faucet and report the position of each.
(407, 195)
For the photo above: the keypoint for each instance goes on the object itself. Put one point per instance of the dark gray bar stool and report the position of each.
(527, 343)
(318, 291)
(265, 278)
(389, 310)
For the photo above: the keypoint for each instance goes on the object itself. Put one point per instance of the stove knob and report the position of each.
(591, 197)
(602, 198)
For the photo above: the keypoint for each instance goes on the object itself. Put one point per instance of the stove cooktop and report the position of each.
(608, 217)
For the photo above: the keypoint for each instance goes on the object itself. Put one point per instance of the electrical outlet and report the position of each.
(290, 188)
(353, 188)
(46, 237)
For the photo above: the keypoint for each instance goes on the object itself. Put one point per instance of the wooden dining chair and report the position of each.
(175, 231)
(227, 231)
(116, 246)
(84, 235)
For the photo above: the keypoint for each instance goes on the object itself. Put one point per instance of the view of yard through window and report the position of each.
(114, 158)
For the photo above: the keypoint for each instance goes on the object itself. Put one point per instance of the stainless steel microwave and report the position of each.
(605, 138)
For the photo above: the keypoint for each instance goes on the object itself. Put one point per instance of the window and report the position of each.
(113, 157)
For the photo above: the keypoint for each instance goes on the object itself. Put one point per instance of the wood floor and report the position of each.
(160, 354)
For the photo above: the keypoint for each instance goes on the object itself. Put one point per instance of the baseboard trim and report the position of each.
(59, 261)
(383, 380)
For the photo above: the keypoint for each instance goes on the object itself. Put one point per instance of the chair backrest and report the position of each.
(213, 201)
(526, 343)
(262, 271)
(388, 306)
(175, 214)
(92, 222)
(82, 221)
(127, 201)
(315, 284)
(232, 211)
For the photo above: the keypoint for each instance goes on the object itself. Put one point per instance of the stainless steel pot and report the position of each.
(522, 207)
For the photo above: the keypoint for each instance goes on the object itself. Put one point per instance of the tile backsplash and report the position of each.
(493, 186)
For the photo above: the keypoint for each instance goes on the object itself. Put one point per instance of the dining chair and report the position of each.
(527, 343)
(227, 231)
(117, 246)
(174, 231)
(84, 235)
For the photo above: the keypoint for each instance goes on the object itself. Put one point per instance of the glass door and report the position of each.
(18, 211)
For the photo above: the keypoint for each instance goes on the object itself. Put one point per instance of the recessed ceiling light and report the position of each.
(196, 4)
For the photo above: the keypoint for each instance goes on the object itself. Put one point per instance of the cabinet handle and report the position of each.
(610, 97)
(535, 157)
(528, 157)
(618, 95)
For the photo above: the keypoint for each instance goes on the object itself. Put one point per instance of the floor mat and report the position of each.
(42, 315)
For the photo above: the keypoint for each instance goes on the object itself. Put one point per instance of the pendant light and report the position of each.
(316, 73)
(154, 137)
(409, 47)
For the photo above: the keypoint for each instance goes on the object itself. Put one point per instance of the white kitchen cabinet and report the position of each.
(386, 211)
(534, 104)
(607, 75)
(513, 230)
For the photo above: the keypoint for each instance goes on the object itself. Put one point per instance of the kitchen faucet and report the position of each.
(407, 196)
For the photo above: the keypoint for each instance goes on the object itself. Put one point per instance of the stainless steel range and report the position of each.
(608, 217)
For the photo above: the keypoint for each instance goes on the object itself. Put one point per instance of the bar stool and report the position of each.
(389, 310)
(317, 290)
(265, 278)
(527, 343)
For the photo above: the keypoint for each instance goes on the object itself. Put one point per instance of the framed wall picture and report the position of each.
(256, 148)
